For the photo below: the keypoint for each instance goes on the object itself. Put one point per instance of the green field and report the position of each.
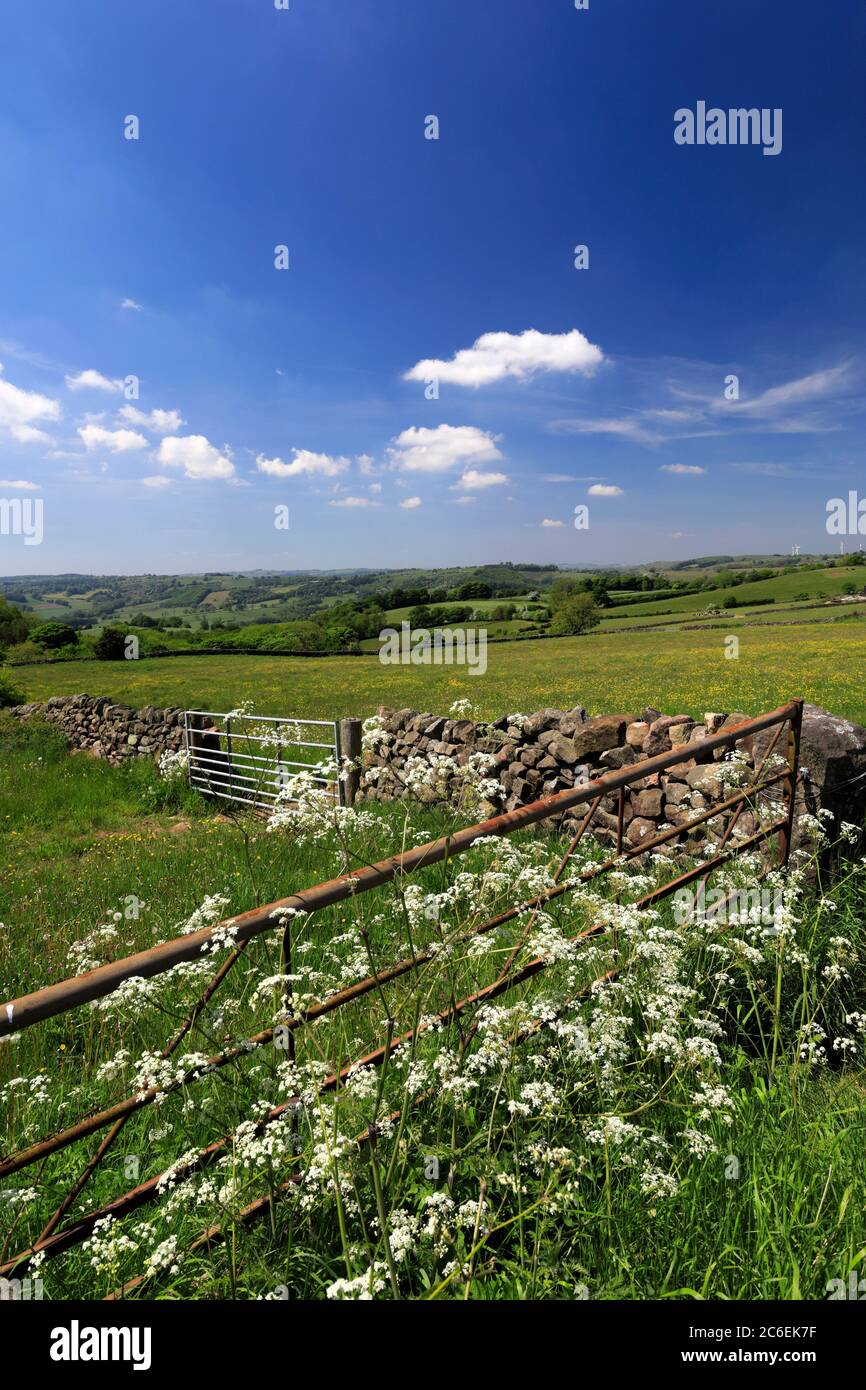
(673, 670)
(785, 588)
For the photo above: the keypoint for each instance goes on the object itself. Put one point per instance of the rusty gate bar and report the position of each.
(121, 1110)
(791, 714)
(81, 989)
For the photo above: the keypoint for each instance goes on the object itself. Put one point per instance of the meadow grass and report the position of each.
(608, 1155)
(678, 672)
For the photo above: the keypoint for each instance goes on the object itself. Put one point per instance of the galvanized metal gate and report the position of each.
(250, 758)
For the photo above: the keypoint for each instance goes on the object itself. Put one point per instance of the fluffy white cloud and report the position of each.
(436, 450)
(605, 490)
(303, 462)
(19, 485)
(130, 304)
(367, 464)
(681, 468)
(375, 487)
(116, 441)
(547, 522)
(410, 503)
(473, 479)
(159, 421)
(19, 409)
(157, 480)
(354, 502)
(494, 356)
(92, 380)
(195, 455)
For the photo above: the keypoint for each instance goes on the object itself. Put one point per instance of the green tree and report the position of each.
(577, 613)
(54, 635)
(110, 645)
(13, 624)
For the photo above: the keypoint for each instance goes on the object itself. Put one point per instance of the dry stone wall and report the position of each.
(535, 756)
(106, 730)
(551, 750)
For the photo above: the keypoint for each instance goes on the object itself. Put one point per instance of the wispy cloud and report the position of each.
(353, 502)
(569, 478)
(704, 413)
(626, 427)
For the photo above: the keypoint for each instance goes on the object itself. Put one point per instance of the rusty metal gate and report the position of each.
(57, 1237)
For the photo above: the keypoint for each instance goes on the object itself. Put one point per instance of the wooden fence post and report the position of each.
(350, 747)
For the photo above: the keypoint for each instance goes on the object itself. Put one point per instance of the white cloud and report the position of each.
(196, 456)
(569, 477)
(375, 487)
(410, 503)
(815, 386)
(465, 499)
(159, 421)
(92, 380)
(354, 502)
(29, 434)
(19, 485)
(367, 464)
(130, 304)
(303, 462)
(19, 409)
(157, 480)
(681, 468)
(547, 522)
(436, 450)
(116, 441)
(473, 479)
(495, 356)
(605, 490)
(626, 428)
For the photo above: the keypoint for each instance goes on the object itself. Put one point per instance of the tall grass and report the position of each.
(690, 1128)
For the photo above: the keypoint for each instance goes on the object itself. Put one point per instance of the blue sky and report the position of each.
(260, 387)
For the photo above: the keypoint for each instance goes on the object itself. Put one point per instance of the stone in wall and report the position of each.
(549, 751)
(107, 730)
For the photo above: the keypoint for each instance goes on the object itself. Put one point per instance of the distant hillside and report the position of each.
(237, 598)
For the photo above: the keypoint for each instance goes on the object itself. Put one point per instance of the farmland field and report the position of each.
(673, 670)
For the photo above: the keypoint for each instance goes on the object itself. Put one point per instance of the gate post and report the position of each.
(351, 748)
(795, 728)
